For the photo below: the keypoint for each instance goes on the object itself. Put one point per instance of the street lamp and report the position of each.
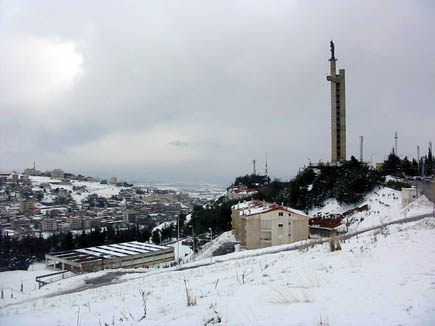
(211, 244)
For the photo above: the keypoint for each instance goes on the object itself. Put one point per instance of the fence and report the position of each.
(53, 277)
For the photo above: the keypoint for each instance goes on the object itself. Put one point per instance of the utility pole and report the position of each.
(178, 238)
(193, 239)
(211, 244)
(265, 170)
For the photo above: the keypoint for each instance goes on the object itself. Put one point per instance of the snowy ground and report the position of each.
(382, 277)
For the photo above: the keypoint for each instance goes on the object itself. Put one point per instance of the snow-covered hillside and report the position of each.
(382, 277)
(103, 190)
(384, 205)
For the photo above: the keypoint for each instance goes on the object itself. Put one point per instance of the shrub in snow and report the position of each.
(190, 297)
(334, 242)
(144, 296)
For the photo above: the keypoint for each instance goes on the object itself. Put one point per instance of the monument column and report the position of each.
(338, 110)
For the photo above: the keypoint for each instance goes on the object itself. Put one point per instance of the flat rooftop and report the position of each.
(117, 250)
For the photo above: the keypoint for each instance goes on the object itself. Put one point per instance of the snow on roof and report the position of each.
(255, 207)
(110, 251)
(247, 204)
(270, 208)
(242, 191)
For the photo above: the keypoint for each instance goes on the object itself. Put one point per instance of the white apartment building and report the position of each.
(48, 224)
(57, 173)
(258, 224)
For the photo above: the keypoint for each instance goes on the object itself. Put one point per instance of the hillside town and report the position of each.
(217, 163)
(35, 203)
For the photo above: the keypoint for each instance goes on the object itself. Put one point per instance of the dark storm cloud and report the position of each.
(235, 78)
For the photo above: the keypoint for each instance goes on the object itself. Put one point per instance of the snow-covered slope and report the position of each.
(103, 190)
(384, 205)
(379, 278)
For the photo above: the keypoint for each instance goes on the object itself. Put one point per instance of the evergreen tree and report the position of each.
(252, 181)
(168, 232)
(407, 166)
(415, 170)
(392, 165)
(181, 220)
(428, 163)
(67, 242)
(156, 237)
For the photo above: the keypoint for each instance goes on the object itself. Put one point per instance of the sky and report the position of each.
(194, 91)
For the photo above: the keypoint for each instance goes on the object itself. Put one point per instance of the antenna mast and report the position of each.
(265, 170)
(395, 144)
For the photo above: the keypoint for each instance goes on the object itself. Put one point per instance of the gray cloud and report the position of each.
(178, 143)
(237, 79)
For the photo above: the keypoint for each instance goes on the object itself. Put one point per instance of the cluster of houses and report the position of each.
(65, 203)
(240, 192)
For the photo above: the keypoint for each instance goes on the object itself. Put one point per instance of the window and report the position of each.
(289, 214)
(266, 224)
(280, 214)
(280, 225)
(266, 236)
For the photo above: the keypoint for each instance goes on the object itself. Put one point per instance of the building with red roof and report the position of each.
(258, 224)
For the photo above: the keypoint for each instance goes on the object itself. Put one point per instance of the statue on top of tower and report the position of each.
(331, 44)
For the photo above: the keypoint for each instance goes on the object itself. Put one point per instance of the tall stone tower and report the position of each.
(338, 111)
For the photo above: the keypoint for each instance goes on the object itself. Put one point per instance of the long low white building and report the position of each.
(120, 255)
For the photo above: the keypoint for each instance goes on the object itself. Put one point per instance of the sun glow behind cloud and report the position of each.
(40, 69)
